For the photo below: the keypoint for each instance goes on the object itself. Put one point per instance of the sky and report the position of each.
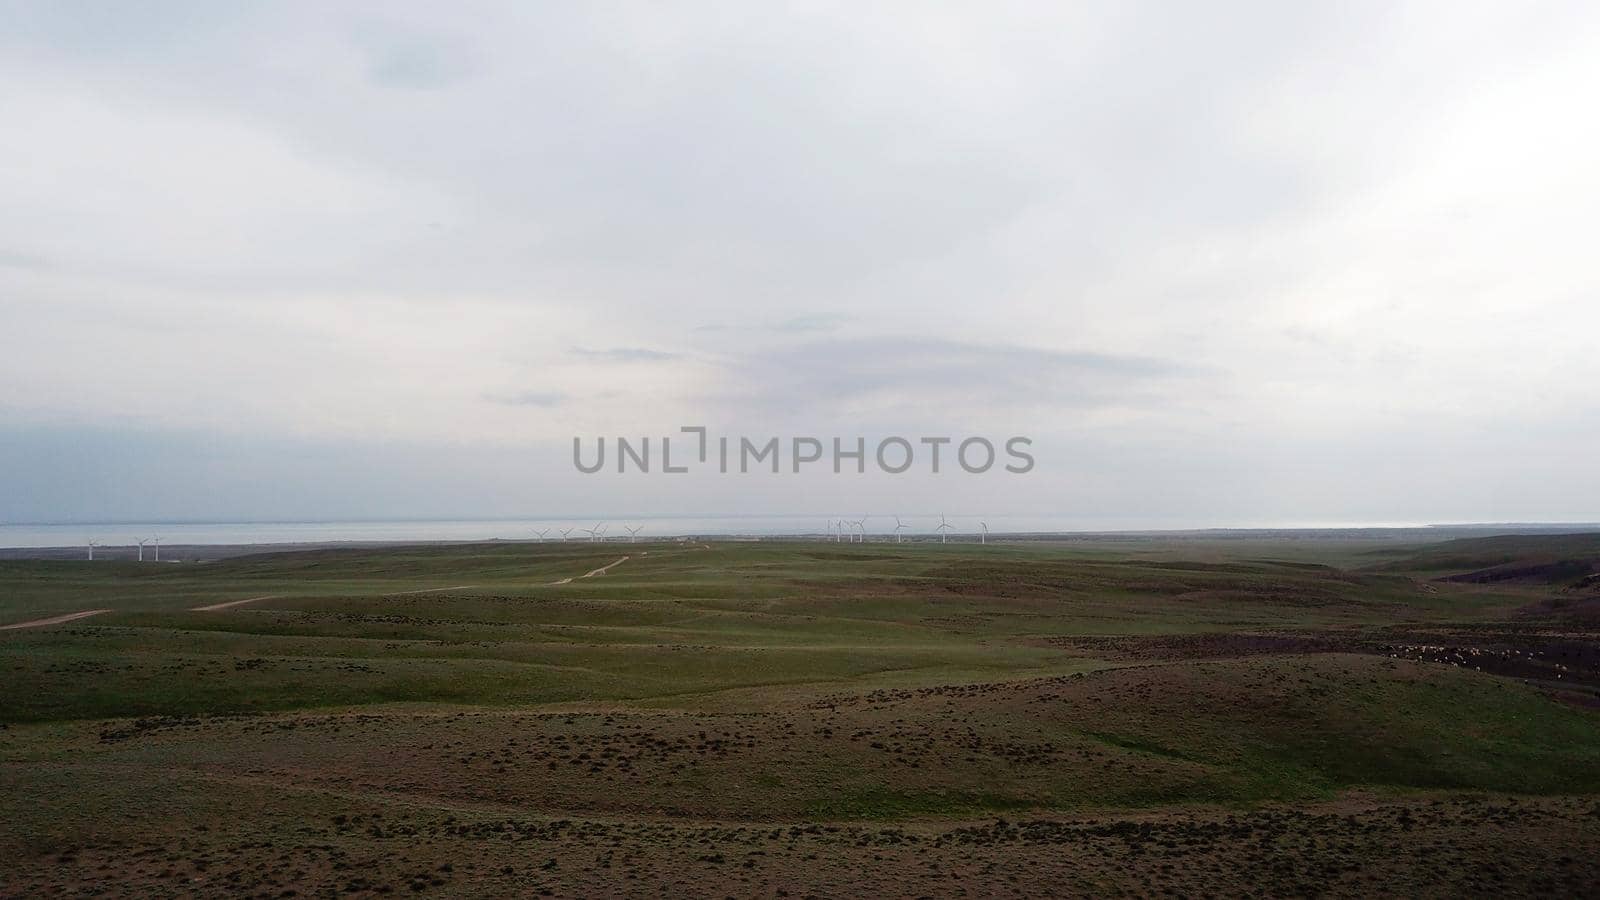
(1230, 264)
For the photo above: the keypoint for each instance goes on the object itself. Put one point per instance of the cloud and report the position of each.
(625, 354)
(968, 380)
(803, 324)
(1221, 229)
(819, 322)
(416, 62)
(545, 399)
(23, 260)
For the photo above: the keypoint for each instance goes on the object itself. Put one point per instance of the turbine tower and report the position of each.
(567, 531)
(633, 533)
(157, 542)
(92, 545)
(594, 533)
(141, 542)
(898, 527)
(984, 537)
(943, 528)
(541, 533)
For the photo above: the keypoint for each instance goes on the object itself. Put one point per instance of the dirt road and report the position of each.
(602, 570)
(228, 604)
(57, 620)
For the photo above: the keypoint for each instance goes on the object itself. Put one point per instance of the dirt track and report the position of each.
(589, 574)
(603, 569)
(57, 620)
(227, 604)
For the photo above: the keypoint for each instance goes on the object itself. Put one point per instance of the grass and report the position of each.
(789, 685)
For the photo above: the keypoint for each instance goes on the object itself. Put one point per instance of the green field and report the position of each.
(1073, 717)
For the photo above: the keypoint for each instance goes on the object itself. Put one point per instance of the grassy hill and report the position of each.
(665, 709)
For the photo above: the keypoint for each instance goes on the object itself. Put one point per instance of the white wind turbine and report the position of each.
(898, 527)
(157, 542)
(541, 532)
(594, 533)
(633, 533)
(141, 542)
(984, 537)
(838, 529)
(943, 528)
(92, 544)
(861, 524)
(567, 531)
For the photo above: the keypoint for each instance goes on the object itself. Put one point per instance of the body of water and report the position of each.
(126, 533)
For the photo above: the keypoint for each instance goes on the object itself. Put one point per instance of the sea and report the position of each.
(114, 534)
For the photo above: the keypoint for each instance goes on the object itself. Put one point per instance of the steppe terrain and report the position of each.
(800, 718)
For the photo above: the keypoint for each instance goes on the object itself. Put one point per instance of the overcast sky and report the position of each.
(1226, 264)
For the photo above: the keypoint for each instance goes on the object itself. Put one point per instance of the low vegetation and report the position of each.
(762, 718)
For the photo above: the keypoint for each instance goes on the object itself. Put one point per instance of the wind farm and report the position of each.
(814, 450)
(198, 541)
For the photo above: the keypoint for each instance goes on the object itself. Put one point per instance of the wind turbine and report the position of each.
(158, 548)
(541, 532)
(593, 533)
(567, 531)
(943, 527)
(92, 545)
(861, 527)
(984, 537)
(840, 537)
(141, 542)
(633, 533)
(898, 527)
(602, 526)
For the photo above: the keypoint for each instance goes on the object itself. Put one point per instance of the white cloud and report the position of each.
(1343, 230)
